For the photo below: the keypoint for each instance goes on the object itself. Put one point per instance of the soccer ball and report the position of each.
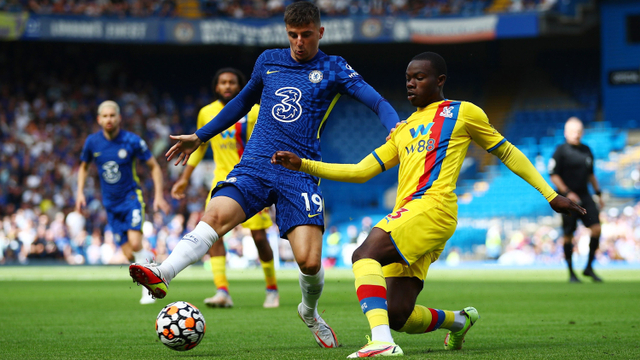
(180, 326)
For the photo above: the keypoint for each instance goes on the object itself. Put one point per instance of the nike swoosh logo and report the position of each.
(314, 215)
(272, 71)
(96, 154)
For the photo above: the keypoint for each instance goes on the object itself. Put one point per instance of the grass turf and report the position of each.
(93, 313)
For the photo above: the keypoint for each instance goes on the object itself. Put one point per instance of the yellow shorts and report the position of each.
(259, 221)
(419, 230)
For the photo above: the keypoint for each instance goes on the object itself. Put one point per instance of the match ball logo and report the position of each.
(315, 76)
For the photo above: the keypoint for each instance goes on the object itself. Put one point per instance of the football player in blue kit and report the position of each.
(115, 151)
(297, 87)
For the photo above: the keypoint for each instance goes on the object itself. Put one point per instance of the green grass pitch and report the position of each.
(93, 313)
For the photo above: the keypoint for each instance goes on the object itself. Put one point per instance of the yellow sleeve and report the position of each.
(383, 158)
(515, 160)
(252, 118)
(198, 155)
(479, 128)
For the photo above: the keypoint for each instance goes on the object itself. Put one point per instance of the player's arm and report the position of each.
(478, 127)
(354, 85)
(229, 115)
(517, 162)
(83, 170)
(370, 97)
(159, 203)
(383, 158)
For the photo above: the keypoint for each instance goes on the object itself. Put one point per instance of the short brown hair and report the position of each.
(302, 13)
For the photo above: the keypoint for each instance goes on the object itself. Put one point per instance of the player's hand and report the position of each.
(395, 128)
(287, 159)
(565, 206)
(185, 146)
(80, 202)
(159, 203)
(177, 190)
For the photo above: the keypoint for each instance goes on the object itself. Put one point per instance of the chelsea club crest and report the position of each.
(315, 76)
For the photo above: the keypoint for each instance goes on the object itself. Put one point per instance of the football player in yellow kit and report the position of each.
(391, 264)
(227, 149)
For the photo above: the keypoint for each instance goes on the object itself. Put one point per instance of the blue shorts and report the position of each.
(126, 215)
(297, 196)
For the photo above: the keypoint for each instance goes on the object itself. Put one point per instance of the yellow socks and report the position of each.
(218, 268)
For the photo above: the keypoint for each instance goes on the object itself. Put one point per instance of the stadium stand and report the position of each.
(239, 9)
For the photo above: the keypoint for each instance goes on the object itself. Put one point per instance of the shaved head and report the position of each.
(573, 130)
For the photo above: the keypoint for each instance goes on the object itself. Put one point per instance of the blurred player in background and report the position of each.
(228, 147)
(391, 264)
(115, 152)
(297, 88)
(571, 170)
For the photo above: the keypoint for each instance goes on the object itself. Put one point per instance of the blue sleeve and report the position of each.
(86, 155)
(353, 84)
(236, 108)
(387, 114)
(143, 151)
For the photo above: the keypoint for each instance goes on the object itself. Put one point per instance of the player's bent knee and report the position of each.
(309, 267)
(398, 317)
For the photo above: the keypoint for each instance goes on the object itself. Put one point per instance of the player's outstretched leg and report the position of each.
(150, 276)
(191, 248)
(455, 339)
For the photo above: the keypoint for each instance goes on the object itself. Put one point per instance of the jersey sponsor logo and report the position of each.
(122, 153)
(143, 145)
(353, 72)
(316, 76)
(447, 112)
(289, 108)
(420, 130)
(269, 72)
(228, 134)
(421, 146)
(111, 172)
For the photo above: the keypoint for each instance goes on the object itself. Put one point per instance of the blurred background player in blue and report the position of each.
(115, 152)
(228, 148)
(297, 88)
(571, 170)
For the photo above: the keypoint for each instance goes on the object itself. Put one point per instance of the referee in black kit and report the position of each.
(571, 169)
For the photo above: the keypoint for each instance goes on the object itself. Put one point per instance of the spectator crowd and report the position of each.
(239, 9)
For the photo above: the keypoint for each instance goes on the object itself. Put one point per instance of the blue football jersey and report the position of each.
(116, 161)
(296, 99)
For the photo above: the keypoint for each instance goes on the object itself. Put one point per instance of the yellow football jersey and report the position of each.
(431, 147)
(227, 146)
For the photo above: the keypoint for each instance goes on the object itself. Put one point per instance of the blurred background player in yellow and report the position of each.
(429, 148)
(227, 149)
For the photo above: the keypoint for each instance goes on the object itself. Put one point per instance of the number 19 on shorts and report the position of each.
(315, 199)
